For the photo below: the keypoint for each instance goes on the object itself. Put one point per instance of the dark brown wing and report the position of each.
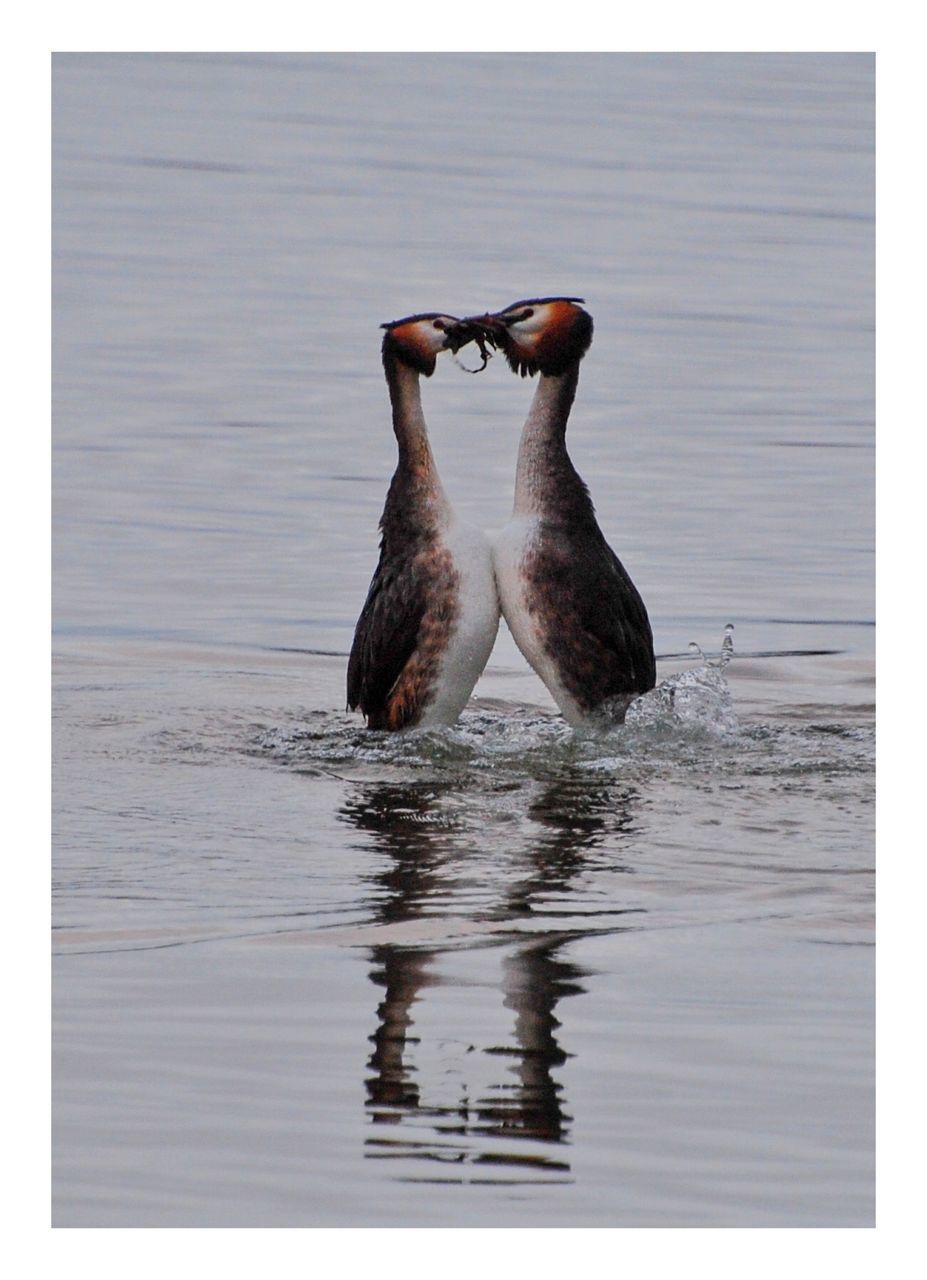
(385, 639)
(594, 621)
(403, 633)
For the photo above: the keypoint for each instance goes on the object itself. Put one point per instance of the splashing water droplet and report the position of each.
(725, 653)
(727, 646)
(698, 699)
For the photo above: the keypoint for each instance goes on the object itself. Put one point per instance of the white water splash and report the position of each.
(698, 698)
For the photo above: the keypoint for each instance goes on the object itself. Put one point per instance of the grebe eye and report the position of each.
(439, 324)
(522, 315)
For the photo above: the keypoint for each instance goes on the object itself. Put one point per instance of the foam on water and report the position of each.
(687, 725)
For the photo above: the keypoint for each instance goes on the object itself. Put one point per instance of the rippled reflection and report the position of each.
(481, 1104)
(575, 814)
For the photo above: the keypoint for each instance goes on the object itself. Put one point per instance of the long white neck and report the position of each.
(544, 476)
(416, 473)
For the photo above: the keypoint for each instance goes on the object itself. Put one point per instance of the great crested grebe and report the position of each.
(431, 615)
(568, 600)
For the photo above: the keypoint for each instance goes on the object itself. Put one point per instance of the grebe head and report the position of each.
(418, 340)
(543, 335)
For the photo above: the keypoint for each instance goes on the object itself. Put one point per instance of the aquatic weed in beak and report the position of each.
(465, 333)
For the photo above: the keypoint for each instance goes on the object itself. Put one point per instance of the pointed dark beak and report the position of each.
(490, 326)
(486, 331)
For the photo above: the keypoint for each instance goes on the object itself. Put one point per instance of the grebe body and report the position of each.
(431, 615)
(570, 604)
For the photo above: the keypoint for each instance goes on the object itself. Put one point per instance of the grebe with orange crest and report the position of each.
(431, 614)
(569, 602)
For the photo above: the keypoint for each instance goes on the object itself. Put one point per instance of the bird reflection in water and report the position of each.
(426, 845)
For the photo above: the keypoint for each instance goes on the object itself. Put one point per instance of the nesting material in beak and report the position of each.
(464, 332)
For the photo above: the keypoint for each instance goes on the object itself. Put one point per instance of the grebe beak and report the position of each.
(486, 329)
(470, 330)
(489, 325)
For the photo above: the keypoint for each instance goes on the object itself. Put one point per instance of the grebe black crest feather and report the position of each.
(421, 315)
(538, 302)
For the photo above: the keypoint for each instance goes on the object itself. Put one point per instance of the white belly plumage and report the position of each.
(508, 553)
(477, 622)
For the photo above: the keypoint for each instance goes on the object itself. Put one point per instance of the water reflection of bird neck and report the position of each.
(535, 978)
(402, 972)
(399, 820)
(575, 815)
(397, 817)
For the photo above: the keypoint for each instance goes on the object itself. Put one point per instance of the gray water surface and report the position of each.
(503, 974)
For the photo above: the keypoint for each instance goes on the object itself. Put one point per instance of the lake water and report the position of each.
(504, 974)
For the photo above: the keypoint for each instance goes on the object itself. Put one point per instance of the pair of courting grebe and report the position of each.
(432, 612)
